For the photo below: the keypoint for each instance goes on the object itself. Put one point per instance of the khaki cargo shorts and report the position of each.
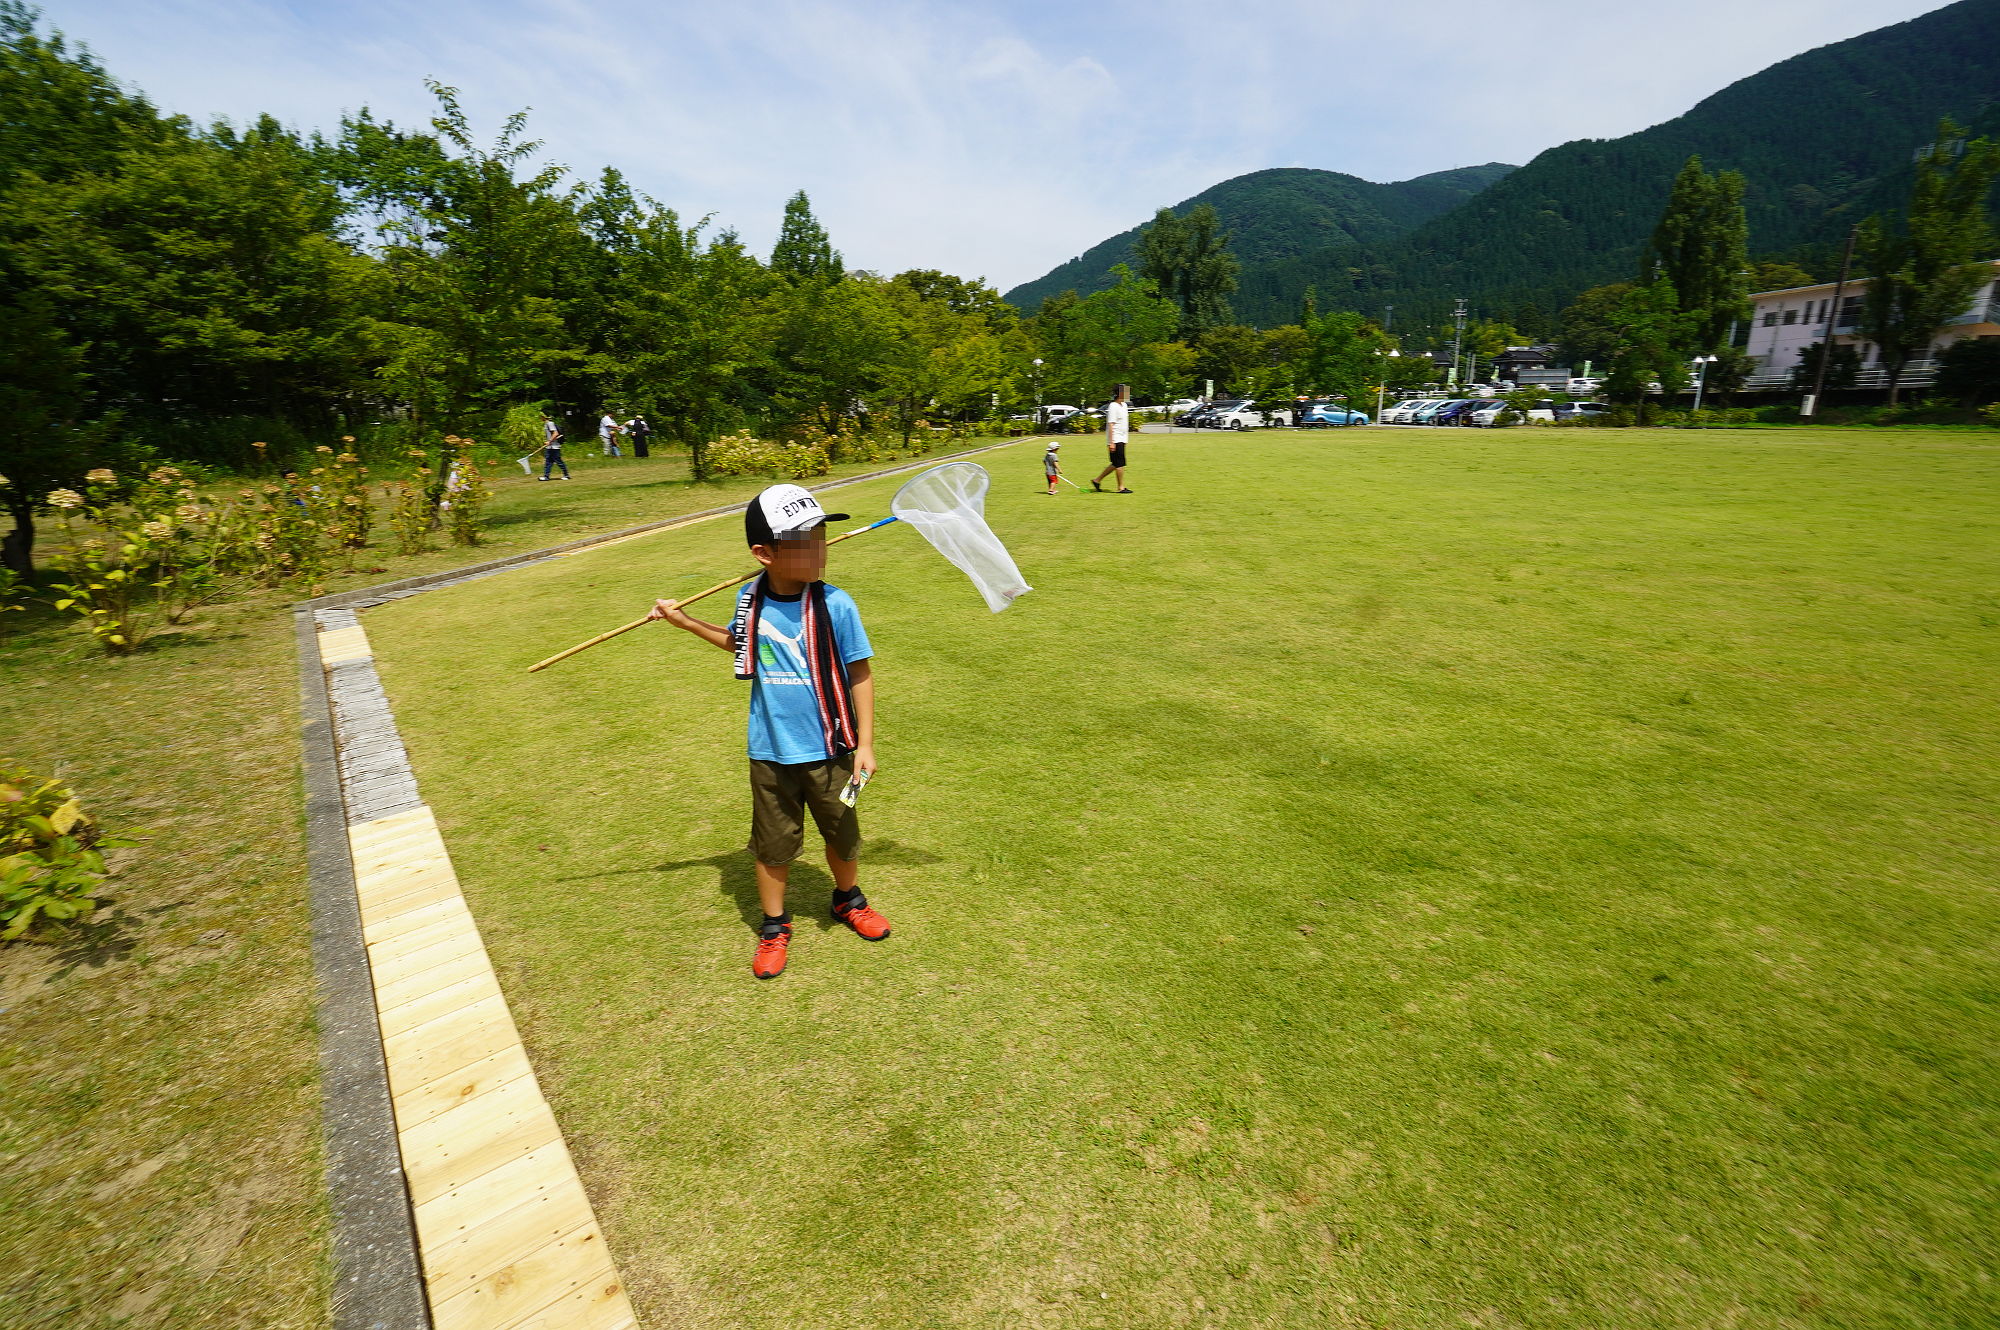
(780, 794)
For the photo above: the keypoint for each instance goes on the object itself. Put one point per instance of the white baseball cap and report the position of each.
(782, 511)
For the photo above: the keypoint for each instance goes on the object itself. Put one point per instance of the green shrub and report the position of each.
(51, 854)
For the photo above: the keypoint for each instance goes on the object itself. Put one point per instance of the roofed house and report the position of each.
(1783, 324)
(1530, 367)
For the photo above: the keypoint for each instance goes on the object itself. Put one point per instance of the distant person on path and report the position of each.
(1052, 465)
(607, 435)
(552, 448)
(642, 436)
(1116, 415)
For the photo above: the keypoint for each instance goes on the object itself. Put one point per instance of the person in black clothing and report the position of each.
(642, 434)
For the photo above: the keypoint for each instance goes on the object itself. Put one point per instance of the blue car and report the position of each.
(1327, 413)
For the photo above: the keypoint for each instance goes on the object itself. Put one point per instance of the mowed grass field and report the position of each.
(1379, 879)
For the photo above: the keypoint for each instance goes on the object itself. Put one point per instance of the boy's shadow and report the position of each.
(810, 891)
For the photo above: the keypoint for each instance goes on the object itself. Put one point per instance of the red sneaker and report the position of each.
(770, 962)
(862, 919)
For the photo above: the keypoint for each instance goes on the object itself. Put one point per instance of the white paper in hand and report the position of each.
(947, 506)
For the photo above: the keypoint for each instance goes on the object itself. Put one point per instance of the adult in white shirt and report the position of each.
(608, 430)
(1117, 415)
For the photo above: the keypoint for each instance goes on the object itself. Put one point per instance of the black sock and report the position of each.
(773, 922)
(848, 897)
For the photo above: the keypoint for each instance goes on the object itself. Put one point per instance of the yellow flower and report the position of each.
(65, 499)
(322, 448)
(157, 530)
(100, 476)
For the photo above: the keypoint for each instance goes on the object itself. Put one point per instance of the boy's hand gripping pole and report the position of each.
(719, 586)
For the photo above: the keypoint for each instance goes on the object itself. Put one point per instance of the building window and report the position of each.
(1791, 316)
(1771, 319)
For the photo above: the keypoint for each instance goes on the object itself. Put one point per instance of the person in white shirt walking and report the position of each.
(1117, 415)
(608, 430)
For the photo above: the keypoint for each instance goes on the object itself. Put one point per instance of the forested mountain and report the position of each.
(1283, 213)
(1823, 139)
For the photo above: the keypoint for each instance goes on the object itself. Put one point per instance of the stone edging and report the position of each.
(358, 782)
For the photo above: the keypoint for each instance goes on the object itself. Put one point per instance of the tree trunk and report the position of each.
(17, 547)
(1896, 378)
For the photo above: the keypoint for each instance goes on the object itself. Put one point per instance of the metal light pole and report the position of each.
(1701, 377)
(1382, 387)
(1039, 422)
(1457, 337)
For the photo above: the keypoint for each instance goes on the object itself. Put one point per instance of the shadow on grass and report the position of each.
(736, 878)
(105, 937)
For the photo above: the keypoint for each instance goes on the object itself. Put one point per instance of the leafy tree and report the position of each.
(938, 359)
(1650, 330)
(1120, 335)
(1969, 371)
(1590, 327)
(469, 248)
(1843, 368)
(803, 252)
(1926, 271)
(1188, 258)
(1777, 275)
(1344, 357)
(1229, 352)
(962, 295)
(1700, 249)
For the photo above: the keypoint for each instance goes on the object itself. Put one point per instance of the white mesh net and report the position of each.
(947, 506)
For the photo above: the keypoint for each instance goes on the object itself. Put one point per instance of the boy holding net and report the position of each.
(801, 645)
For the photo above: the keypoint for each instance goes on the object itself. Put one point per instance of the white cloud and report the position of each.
(995, 139)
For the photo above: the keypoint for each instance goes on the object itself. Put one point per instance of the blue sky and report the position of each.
(992, 139)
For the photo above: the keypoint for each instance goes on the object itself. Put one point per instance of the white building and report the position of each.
(1784, 323)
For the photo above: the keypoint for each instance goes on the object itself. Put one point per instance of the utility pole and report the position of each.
(1811, 406)
(1457, 336)
(1388, 318)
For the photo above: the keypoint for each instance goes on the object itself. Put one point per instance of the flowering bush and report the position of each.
(412, 510)
(51, 853)
(740, 454)
(465, 496)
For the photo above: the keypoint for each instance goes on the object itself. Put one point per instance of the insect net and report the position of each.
(947, 506)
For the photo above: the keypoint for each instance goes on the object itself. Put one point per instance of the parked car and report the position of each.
(1183, 404)
(1422, 415)
(1053, 415)
(1542, 412)
(1223, 407)
(1319, 415)
(1233, 413)
(1583, 387)
(1570, 410)
(1193, 415)
(1400, 413)
(1454, 413)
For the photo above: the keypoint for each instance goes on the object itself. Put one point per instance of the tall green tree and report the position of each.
(1924, 273)
(1650, 334)
(1188, 259)
(803, 252)
(470, 239)
(1123, 334)
(1700, 248)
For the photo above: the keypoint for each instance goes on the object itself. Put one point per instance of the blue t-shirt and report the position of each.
(784, 717)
